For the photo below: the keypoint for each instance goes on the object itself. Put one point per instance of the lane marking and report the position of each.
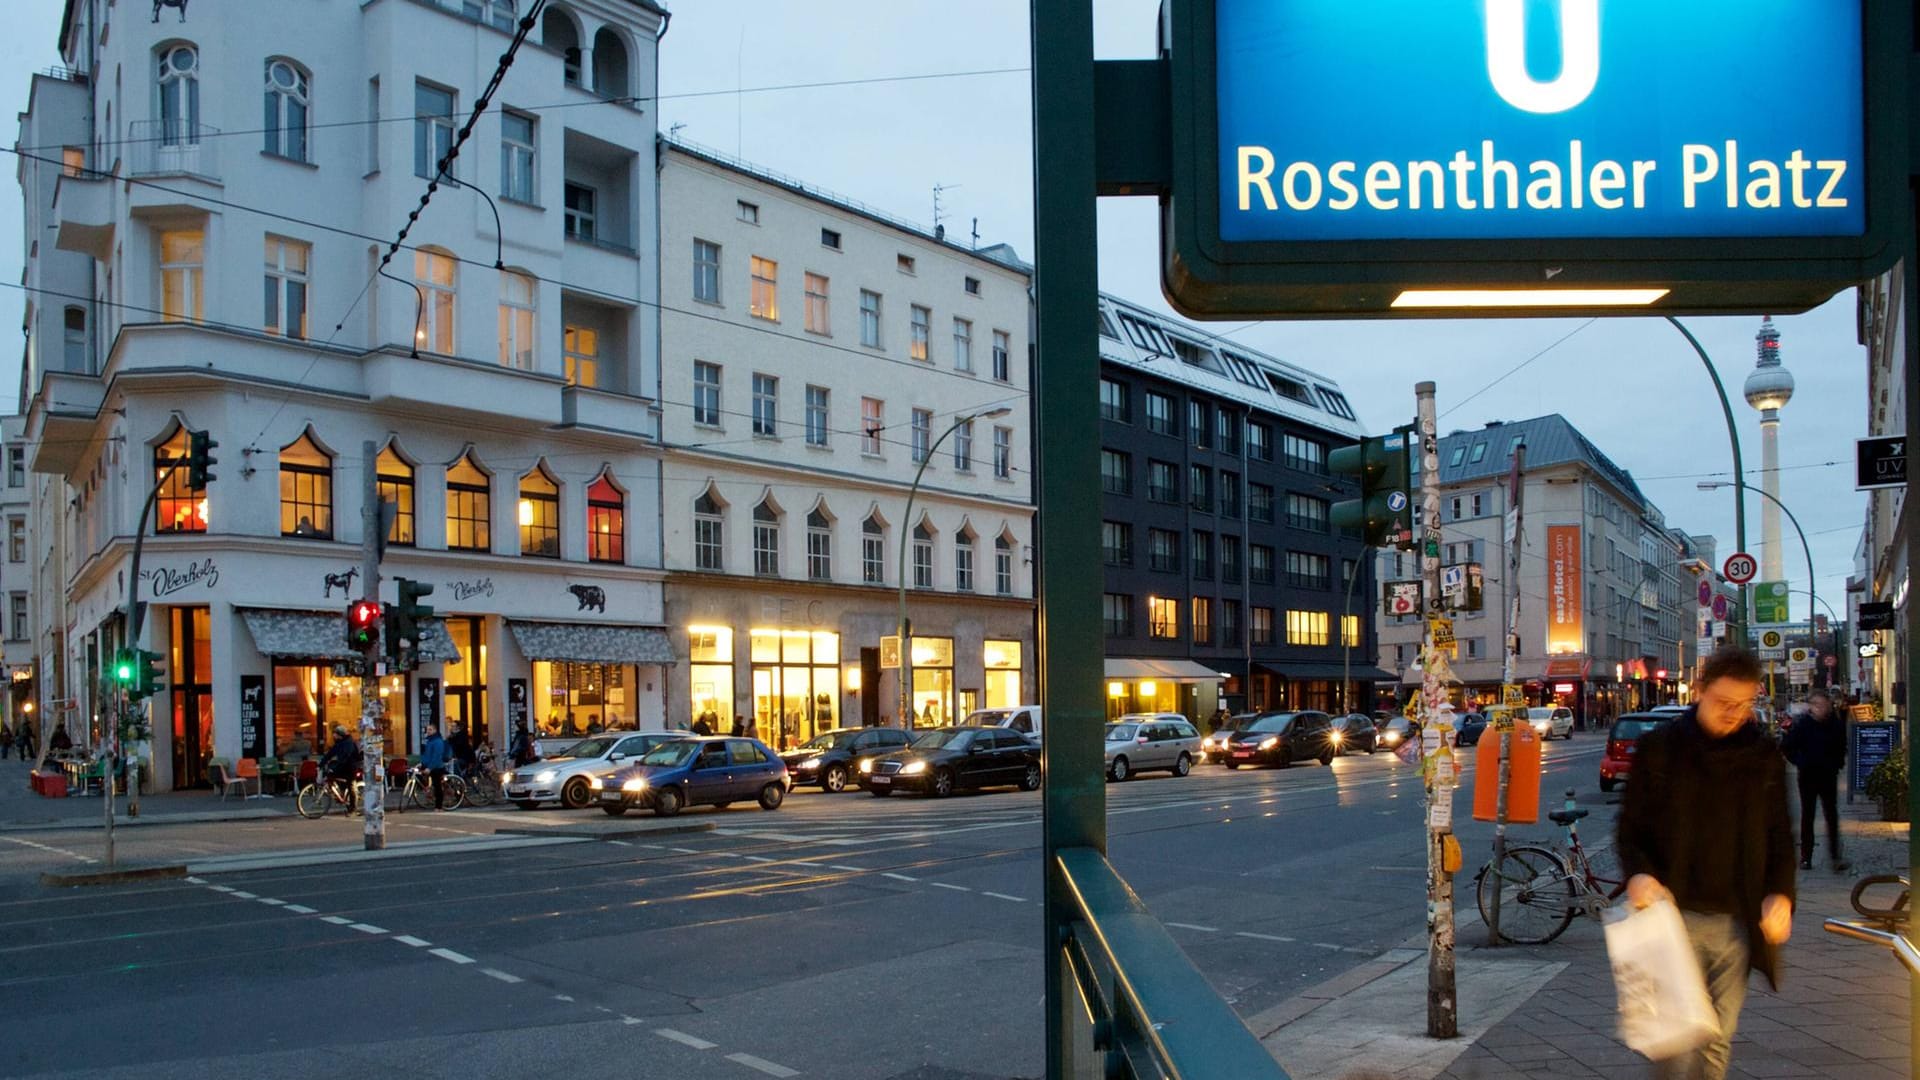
(1191, 926)
(368, 928)
(54, 850)
(336, 920)
(955, 888)
(683, 1038)
(848, 869)
(194, 881)
(238, 895)
(562, 997)
(1004, 896)
(619, 843)
(759, 858)
(272, 901)
(1263, 937)
(449, 954)
(763, 1065)
(300, 909)
(1325, 945)
(901, 877)
(685, 850)
(221, 888)
(496, 973)
(411, 941)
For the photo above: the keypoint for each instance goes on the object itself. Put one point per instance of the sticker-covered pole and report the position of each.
(1436, 735)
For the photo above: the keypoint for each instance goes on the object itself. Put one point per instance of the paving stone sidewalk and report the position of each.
(23, 809)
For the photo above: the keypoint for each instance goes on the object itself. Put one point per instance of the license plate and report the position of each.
(1243, 753)
(610, 796)
(880, 780)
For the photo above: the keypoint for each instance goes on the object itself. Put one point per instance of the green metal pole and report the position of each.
(1910, 626)
(1066, 434)
(1739, 473)
(1808, 548)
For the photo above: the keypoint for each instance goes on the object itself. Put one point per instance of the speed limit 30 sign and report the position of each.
(1740, 568)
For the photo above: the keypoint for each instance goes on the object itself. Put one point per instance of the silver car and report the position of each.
(1139, 742)
(569, 777)
(1551, 721)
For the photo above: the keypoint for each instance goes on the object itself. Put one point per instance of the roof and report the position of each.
(1550, 440)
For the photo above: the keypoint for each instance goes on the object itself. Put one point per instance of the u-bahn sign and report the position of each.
(1435, 157)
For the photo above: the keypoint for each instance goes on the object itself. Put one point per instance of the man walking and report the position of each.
(1705, 825)
(1817, 746)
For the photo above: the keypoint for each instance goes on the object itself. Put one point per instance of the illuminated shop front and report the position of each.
(796, 684)
(932, 681)
(309, 701)
(1137, 685)
(1001, 660)
(589, 677)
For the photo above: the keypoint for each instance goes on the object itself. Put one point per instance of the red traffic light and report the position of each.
(363, 625)
(363, 613)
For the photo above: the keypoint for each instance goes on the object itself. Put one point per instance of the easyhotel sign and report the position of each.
(1487, 156)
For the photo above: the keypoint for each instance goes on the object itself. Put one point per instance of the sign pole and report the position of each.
(1443, 1019)
(1505, 722)
(373, 803)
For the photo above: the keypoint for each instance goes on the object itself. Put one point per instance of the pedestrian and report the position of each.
(433, 758)
(60, 740)
(521, 750)
(460, 749)
(6, 741)
(1221, 718)
(738, 728)
(1705, 825)
(701, 727)
(1817, 747)
(27, 740)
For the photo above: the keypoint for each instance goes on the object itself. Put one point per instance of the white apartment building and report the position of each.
(815, 354)
(16, 574)
(193, 266)
(1885, 576)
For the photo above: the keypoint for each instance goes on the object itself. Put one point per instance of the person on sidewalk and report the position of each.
(6, 741)
(1817, 746)
(433, 758)
(1705, 825)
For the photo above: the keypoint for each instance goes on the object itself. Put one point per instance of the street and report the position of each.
(842, 935)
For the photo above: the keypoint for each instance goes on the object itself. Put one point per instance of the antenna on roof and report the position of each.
(976, 234)
(938, 190)
(673, 130)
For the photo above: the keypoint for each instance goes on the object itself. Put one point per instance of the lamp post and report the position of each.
(1739, 474)
(906, 527)
(1709, 485)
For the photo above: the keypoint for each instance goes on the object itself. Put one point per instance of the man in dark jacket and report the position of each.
(1817, 746)
(1705, 825)
(434, 758)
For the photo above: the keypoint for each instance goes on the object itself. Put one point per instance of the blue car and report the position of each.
(714, 771)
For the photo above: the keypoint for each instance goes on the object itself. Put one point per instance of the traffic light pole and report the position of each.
(373, 803)
(110, 745)
(1515, 537)
(1443, 1016)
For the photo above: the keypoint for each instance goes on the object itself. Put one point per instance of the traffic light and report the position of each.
(200, 460)
(149, 678)
(363, 625)
(123, 668)
(404, 617)
(1383, 513)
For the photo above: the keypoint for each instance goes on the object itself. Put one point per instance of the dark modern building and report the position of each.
(1225, 580)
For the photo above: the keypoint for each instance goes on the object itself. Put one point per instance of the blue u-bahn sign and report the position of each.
(1341, 156)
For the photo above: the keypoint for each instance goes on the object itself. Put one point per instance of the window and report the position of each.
(16, 466)
(1260, 626)
(830, 239)
(922, 556)
(816, 313)
(74, 333)
(1455, 506)
(1114, 403)
(306, 490)
(177, 508)
(904, 263)
(432, 129)
(1203, 555)
(1479, 453)
(962, 345)
(497, 13)
(469, 507)
(517, 171)
(817, 398)
(1260, 564)
(1202, 621)
(1229, 494)
(286, 127)
(872, 423)
(394, 476)
(1002, 566)
(1229, 623)
(1163, 481)
(766, 540)
(17, 617)
(1347, 569)
(1200, 421)
(180, 96)
(1116, 473)
(870, 318)
(922, 434)
(922, 327)
(766, 404)
(1350, 633)
(1459, 455)
(764, 301)
(1163, 551)
(1116, 543)
(16, 539)
(606, 521)
(539, 513)
(747, 212)
(1230, 559)
(516, 320)
(1479, 504)
(1259, 441)
(73, 161)
(963, 562)
(1306, 455)
(433, 273)
(708, 522)
(819, 546)
(182, 258)
(1336, 403)
(1306, 512)
(579, 203)
(1306, 627)
(873, 551)
(373, 126)
(1160, 415)
(580, 351)
(1200, 488)
(1116, 614)
(706, 393)
(963, 447)
(1002, 346)
(1163, 617)
(1260, 504)
(1002, 453)
(286, 312)
(973, 286)
(1229, 431)
(1306, 570)
(706, 272)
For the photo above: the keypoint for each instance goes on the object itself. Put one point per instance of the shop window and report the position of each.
(309, 701)
(796, 685)
(190, 687)
(932, 681)
(585, 699)
(306, 490)
(1002, 662)
(539, 514)
(710, 657)
(177, 509)
(396, 486)
(469, 506)
(606, 522)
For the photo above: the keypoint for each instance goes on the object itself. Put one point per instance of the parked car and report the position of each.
(1397, 731)
(1617, 763)
(1141, 742)
(568, 776)
(1214, 746)
(1667, 710)
(703, 770)
(832, 758)
(1357, 733)
(1551, 721)
(1467, 729)
(1279, 739)
(941, 761)
(1024, 719)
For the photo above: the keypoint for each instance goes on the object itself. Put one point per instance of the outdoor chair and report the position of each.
(248, 770)
(223, 778)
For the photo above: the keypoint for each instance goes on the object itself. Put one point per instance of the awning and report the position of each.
(591, 643)
(322, 635)
(1126, 667)
(1568, 667)
(1321, 669)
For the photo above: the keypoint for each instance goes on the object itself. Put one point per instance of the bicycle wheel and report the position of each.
(456, 792)
(419, 795)
(1603, 867)
(482, 789)
(312, 802)
(1536, 895)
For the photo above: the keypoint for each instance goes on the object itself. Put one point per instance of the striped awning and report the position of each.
(322, 635)
(592, 643)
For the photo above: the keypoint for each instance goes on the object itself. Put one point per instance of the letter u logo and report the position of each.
(1579, 56)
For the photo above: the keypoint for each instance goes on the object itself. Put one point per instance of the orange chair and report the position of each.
(397, 773)
(247, 771)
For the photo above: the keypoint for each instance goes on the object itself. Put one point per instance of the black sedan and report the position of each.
(1282, 738)
(1357, 733)
(944, 760)
(832, 758)
(1467, 731)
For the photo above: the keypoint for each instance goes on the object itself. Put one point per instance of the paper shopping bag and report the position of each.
(1664, 1007)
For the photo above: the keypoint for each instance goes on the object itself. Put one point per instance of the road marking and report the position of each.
(848, 869)
(336, 920)
(1191, 926)
(901, 877)
(759, 858)
(238, 895)
(300, 909)
(685, 850)
(195, 881)
(368, 928)
(619, 843)
(1324, 945)
(955, 888)
(1004, 896)
(1263, 937)
(55, 850)
(272, 901)
(684, 1039)
(562, 997)
(449, 954)
(410, 940)
(496, 973)
(221, 888)
(763, 1065)
(625, 1019)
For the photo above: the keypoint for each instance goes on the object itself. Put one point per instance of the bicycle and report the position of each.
(1542, 888)
(419, 790)
(482, 780)
(318, 798)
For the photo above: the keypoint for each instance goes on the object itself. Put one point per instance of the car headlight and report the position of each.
(1270, 742)
(595, 783)
(866, 766)
(545, 777)
(1335, 736)
(636, 784)
(506, 777)
(913, 767)
(807, 763)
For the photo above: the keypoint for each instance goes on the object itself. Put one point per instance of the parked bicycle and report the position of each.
(319, 798)
(482, 780)
(418, 794)
(1542, 888)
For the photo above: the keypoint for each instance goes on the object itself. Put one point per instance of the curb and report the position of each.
(114, 877)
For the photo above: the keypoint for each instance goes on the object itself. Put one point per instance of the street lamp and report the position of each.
(1739, 489)
(1709, 485)
(906, 527)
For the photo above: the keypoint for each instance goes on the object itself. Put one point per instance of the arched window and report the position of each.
(873, 550)
(766, 539)
(606, 521)
(539, 514)
(558, 32)
(179, 79)
(178, 509)
(433, 271)
(286, 111)
(963, 561)
(469, 506)
(306, 489)
(819, 545)
(709, 523)
(923, 555)
(517, 324)
(609, 64)
(395, 479)
(1002, 566)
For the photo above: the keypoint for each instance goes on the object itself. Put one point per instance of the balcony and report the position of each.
(174, 148)
(83, 207)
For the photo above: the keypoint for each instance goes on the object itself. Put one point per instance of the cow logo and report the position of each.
(590, 596)
(1579, 56)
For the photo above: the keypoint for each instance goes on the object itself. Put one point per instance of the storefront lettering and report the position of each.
(165, 581)
(467, 590)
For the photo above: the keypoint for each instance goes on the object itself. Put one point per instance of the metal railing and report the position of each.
(1859, 931)
(174, 148)
(1146, 1010)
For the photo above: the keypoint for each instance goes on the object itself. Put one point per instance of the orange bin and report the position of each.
(1523, 787)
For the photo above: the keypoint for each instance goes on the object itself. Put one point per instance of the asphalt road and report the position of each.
(841, 935)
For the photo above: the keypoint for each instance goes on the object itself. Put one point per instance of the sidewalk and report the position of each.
(23, 810)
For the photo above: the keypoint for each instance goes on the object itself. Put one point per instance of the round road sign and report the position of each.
(1397, 501)
(1771, 639)
(1740, 568)
(1720, 608)
(1706, 593)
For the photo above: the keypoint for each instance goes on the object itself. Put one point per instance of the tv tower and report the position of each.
(1768, 389)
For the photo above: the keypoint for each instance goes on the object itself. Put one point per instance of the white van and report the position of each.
(1024, 719)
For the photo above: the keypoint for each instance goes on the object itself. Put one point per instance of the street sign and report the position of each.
(1880, 462)
(1513, 695)
(1402, 597)
(889, 651)
(1706, 593)
(1869, 650)
(1773, 645)
(1721, 609)
(1876, 615)
(1770, 602)
(1873, 743)
(1442, 629)
(1740, 568)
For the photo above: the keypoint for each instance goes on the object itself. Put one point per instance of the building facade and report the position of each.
(17, 574)
(1884, 573)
